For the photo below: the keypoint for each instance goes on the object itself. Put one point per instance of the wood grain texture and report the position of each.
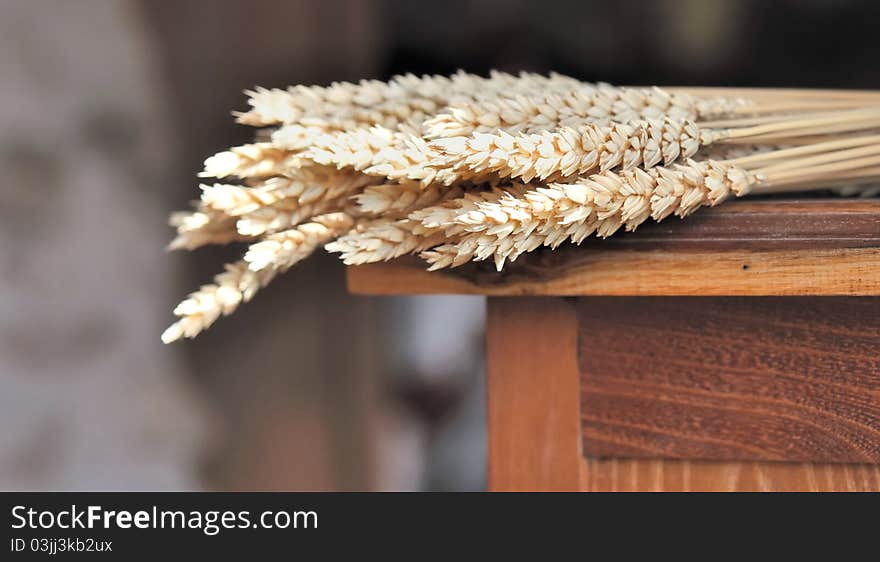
(657, 475)
(535, 440)
(766, 247)
(793, 378)
(532, 387)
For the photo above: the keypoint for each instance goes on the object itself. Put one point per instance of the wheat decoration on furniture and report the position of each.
(470, 168)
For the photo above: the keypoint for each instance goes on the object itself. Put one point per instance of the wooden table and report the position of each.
(736, 350)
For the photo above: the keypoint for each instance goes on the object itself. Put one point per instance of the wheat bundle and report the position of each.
(469, 168)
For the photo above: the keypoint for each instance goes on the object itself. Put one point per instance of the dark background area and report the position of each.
(306, 387)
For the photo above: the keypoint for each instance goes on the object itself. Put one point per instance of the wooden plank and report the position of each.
(793, 378)
(657, 475)
(767, 247)
(610, 272)
(534, 428)
(534, 424)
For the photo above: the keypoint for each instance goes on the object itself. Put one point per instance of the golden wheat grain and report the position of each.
(443, 216)
(259, 160)
(229, 213)
(384, 239)
(548, 111)
(277, 218)
(396, 200)
(241, 280)
(380, 152)
(356, 149)
(235, 285)
(435, 165)
(404, 100)
(304, 186)
(295, 137)
(281, 250)
(570, 152)
(601, 203)
(198, 228)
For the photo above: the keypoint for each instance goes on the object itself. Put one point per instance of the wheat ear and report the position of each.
(570, 152)
(235, 285)
(259, 160)
(306, 186)
(403, 101)
(542, 112)
(200, 228)
(566, 152)
(385, 239)
(396, 200)
(281, 250)
(241, 280)
(278, 218)
(601, 204)
(380, 152)
(228, 213)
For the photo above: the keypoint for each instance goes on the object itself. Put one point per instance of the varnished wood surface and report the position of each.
(534, 429)
(535, 440)
(766, 247)
(767, 378)
(657, 475)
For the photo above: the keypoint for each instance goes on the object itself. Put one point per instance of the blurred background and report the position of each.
(109, 108)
